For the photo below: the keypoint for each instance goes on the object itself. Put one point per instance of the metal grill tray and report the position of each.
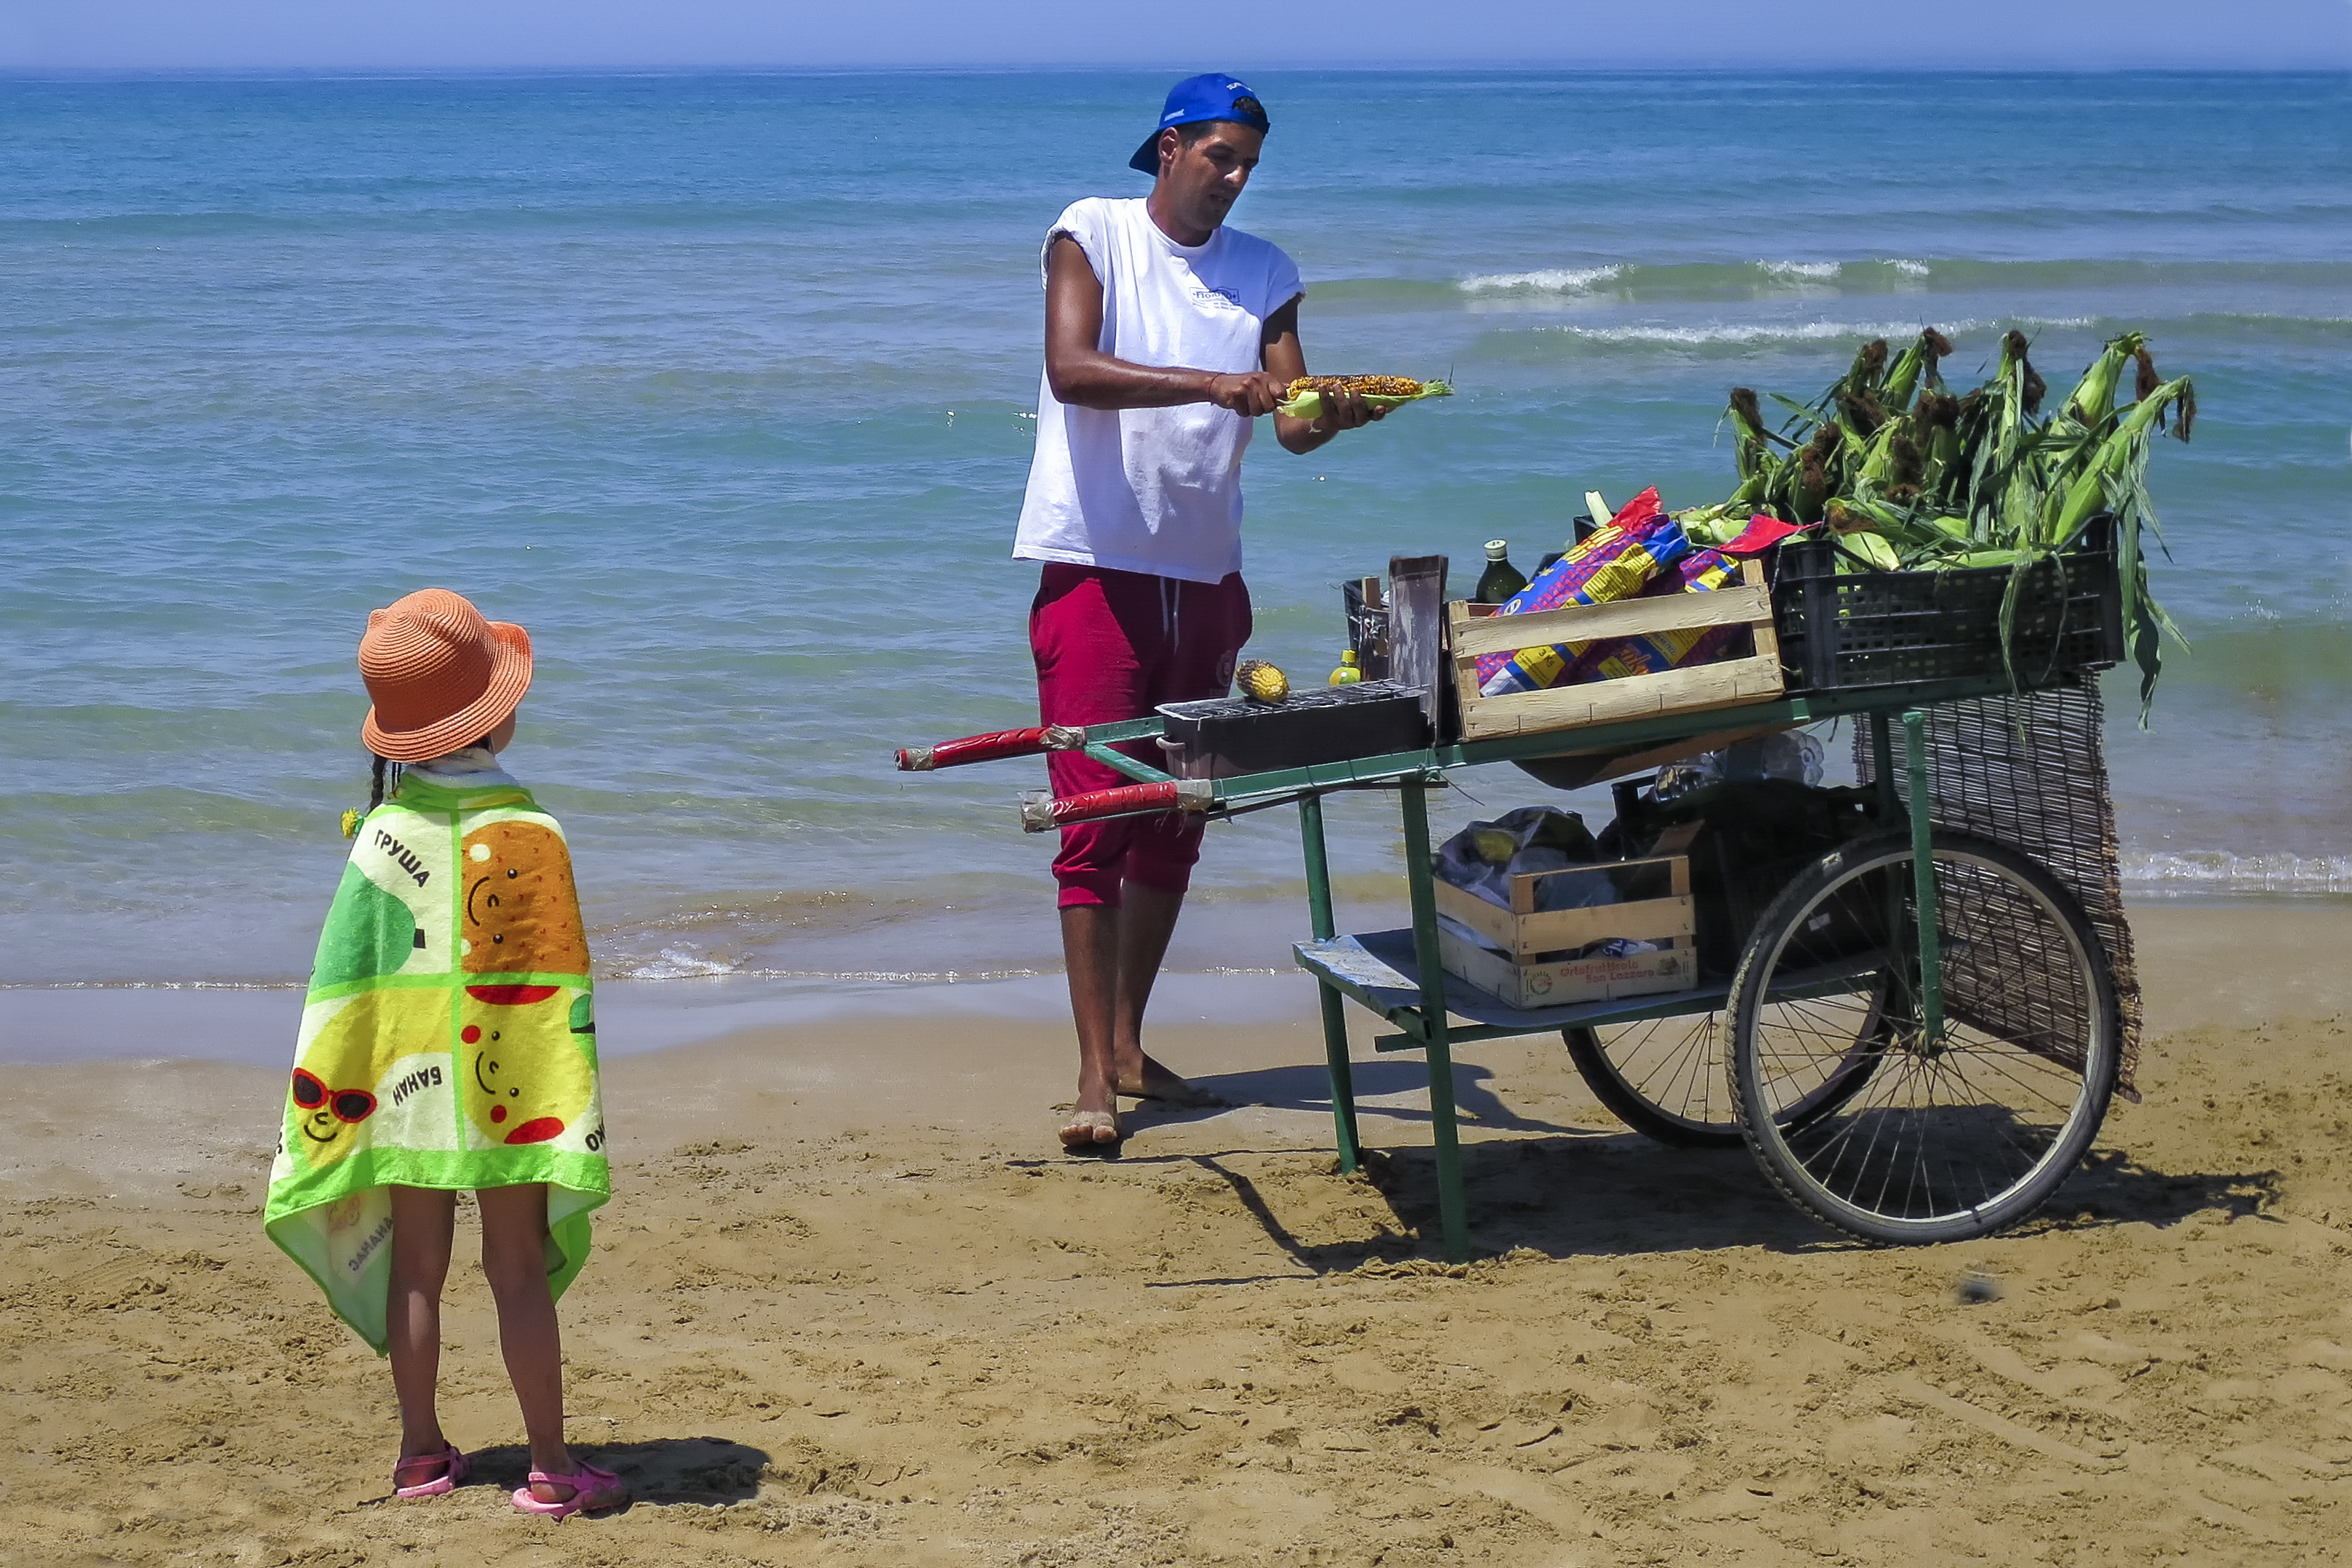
(1225, 737)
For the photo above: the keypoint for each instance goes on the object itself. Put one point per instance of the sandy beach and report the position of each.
(849, 1308)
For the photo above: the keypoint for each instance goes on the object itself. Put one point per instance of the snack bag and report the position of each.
(1614, 563)
(1701, 571)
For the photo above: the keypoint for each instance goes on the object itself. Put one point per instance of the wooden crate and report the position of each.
(1727, 683)
(1558, 984)
(1496, 949)
(1523, 931)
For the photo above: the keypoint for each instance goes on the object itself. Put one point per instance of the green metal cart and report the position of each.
(1920, 1041)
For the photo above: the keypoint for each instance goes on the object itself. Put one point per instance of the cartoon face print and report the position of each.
(321, 1114)
(526, 1072)
(358, 1045)
(520, 916)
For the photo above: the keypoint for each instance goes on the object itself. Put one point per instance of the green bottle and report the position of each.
(1347, 674)
(1501, 579)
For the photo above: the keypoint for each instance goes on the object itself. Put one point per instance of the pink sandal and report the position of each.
(453, 1474)
(592, 1490)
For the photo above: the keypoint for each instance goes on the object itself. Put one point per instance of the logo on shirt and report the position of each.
(1215, 298)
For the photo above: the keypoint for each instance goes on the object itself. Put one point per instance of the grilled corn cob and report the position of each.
(1305, 399)
(1376, 386)
(1261, 681)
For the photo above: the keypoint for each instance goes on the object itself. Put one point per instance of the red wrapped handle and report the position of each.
(1129, 800)
(994, 748)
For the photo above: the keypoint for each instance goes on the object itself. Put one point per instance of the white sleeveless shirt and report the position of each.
(1154, 490)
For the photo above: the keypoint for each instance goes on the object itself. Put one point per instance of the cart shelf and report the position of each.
(1378, 970)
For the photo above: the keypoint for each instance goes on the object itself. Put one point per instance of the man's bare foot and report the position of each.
(1090, 1132)
(1157, 1083)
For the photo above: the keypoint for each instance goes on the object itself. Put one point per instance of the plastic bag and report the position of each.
(1791, 755)
(1483, 857)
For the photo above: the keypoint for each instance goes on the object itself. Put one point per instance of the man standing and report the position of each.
(1167, 334)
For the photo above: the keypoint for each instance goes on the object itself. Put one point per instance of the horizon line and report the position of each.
(1517, 67)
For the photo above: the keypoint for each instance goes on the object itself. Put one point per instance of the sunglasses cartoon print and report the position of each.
(329, 1110)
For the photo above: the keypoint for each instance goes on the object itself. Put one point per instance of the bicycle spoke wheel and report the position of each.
(1661, 1077)
(1666, 1078)
(1951, 1134)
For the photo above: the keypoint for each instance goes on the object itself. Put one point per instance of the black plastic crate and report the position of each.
(1842, 631)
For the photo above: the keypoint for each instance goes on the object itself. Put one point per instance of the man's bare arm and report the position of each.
(1081, 375)
(1286, 362)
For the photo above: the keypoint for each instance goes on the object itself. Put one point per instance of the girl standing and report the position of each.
(448, 1044)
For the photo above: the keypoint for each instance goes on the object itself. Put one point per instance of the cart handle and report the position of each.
(994, 748)
(1131, 799)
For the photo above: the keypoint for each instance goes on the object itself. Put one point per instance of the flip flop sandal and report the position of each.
(1092, 1132)
(453, 1474)
(592, 1490)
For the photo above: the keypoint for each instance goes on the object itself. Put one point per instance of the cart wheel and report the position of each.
(1665, 1078)
(1957, 1136)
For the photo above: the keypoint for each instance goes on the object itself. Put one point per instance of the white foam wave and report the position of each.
(1748, 332)
(2215, 872)
(1797, 332)
(677, 964)
(672, 965)
(1547, 280)
(1910, 268)
(1802, 271)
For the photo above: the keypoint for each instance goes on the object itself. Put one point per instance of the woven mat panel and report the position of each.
(2029, 770)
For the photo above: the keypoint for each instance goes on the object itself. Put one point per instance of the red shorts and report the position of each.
(1112, 645)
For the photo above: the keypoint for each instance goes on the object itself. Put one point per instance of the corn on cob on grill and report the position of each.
(1262, 681)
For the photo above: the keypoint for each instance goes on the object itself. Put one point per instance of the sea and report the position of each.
(724, 386)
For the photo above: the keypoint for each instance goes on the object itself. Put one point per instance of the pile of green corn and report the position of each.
(1910, 477)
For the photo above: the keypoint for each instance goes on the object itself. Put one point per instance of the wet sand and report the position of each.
(851, 1307)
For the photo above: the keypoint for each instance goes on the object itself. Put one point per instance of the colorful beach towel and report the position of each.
(448, 1039)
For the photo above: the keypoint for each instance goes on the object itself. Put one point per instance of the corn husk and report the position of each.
(1910, 477)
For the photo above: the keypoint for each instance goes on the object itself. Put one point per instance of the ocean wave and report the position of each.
(1743, 331)
(1545, 280)
(691, 969)
(676, 964)
(277, 985)
(1535, 343)
(2216, 870)
(1859, 277)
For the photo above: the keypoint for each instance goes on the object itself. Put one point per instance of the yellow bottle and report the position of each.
(1347, 674)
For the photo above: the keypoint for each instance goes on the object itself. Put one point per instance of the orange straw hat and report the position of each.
(440, 676)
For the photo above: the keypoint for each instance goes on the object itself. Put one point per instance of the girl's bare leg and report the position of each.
(514, 1256)
(422, 1223)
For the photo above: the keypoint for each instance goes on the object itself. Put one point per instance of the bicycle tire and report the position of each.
(1654, 1084)
(1871, 1169)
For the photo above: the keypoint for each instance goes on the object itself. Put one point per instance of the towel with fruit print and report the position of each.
(448, 1039)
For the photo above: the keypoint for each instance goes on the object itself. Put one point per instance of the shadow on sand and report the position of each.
(1600, 1190)
(707, 1470)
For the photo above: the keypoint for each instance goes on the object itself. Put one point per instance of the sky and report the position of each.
(429, 34)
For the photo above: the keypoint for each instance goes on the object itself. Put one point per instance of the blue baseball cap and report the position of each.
(1197, 98)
